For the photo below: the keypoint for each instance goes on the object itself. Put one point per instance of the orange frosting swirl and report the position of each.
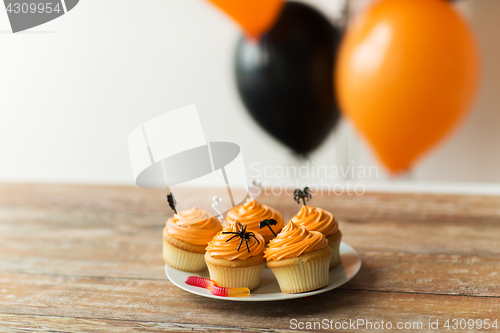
(316, 219)
(252, 213)
(193, 226)
(220, 247)
(293, 241)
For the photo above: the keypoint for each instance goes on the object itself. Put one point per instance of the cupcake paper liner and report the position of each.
(236, 277)
(334, 242)
(303, 277)
(183, 260)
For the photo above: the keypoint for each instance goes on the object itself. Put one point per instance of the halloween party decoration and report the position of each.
(253, 16)
(303, 195)
(268, 223)
(171, 202)
(284, 78)
(170, 152)
(406, 75)
(221, 208)
(254, 189)
(243, 234)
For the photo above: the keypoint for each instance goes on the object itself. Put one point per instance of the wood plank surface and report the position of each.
(88, 258)
(160, 301)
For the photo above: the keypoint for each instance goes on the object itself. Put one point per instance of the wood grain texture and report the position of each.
(88, 258)
(161, 302)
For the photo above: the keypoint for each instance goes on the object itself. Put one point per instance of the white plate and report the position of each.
(269, 289)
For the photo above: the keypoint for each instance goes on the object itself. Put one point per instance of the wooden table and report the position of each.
(88, 258)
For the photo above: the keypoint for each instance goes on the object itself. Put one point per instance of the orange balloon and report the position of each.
(254, 16)
(406, 74)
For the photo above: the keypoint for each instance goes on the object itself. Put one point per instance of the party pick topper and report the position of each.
(220, 207)
(268, 223)
(303, 195)
(172, 202)
(243, 234)
(254, 189)
(255, 17)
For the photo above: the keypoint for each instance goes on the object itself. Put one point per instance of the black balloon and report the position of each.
(285, 79)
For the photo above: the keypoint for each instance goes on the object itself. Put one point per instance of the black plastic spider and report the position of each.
(268, 223)
(302, 194)
(172, 202)
(243, 234)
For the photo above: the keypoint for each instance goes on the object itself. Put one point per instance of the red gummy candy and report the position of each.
(215, 289)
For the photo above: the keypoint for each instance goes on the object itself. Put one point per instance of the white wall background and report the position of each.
(73, 89)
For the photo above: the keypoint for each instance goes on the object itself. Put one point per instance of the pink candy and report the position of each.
(215, 289)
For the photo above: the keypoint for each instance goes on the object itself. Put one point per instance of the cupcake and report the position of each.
(299, 259)
(235, 257)
(185, 238)
(252, 213)
(317, 219)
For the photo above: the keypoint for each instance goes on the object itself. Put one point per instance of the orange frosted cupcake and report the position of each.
(317, 219)
(235, 257)
(252, 213)
(299, 259)
(185, 238)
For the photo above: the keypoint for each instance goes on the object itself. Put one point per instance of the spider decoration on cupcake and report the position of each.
(243, 234)
(172, 202)
(268, 223)
(304, 194)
